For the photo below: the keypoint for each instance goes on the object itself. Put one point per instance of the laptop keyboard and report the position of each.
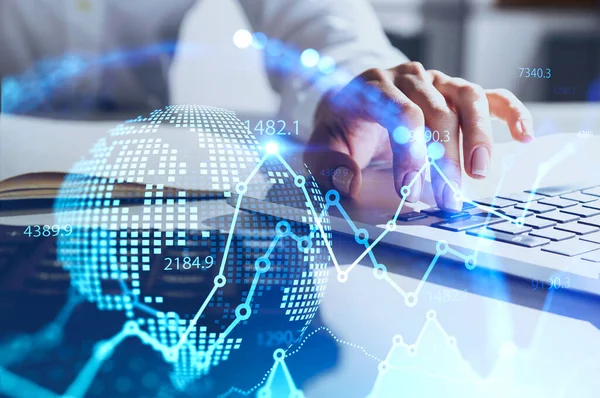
(563, 220)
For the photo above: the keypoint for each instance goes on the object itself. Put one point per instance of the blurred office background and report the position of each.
(485, 41)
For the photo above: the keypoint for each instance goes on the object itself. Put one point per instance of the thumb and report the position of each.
(337, 152)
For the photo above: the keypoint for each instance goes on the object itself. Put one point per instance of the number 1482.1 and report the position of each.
(272, 127)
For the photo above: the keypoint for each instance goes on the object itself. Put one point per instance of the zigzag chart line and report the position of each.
(383, 364)
(14, 384)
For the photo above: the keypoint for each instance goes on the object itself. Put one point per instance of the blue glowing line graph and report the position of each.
(104, 349)
(384, 365)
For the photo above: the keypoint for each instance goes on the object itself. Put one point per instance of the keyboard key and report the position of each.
(592, 191)
(522, 197)
(447, 215)
(592, 256)
(579, 197)
(497, 203)
(595, 221)
(515, 213)
(411, 216)
(593, 205)
(558, 202)
(467, 206)
(535, 207)
(578, 228)
(571, 247)
(510, 228)
(485, 214)
(559, 217)
(557, 190)
(521, 240)
(462, 224)
(553, 234)
(595, 237)
(581, 211)
(538, 223)
(431, 210)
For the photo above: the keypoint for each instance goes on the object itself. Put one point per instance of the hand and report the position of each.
(370, 119)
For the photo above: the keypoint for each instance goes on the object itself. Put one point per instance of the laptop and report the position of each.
(536, 217)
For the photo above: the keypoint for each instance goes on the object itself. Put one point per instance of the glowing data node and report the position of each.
(380, 271)
(241, 188)
(243, 311)
(411, 299)
(131, 327)
(431, 315)
(310, 57)
(470, 263)
(262, 264)
(412, 350)
(451, 341)
(264, 393)
(326, 65)
(405, 191)
(259, 40)
(242, 38)
(441, 247)
(279, 354)
(383, 367)
(342, 276)
(300, 181)
(391, 226)
(362, 236)
(283, 228)
(220, 281)
(401, 135)
(272, 148)
(435, 150)
(332, 197)
(398, 340)
(304, 244)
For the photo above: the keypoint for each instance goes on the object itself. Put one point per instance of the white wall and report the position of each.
(221, 74)
(498, 42)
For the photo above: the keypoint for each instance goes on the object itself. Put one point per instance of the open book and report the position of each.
(36, 155)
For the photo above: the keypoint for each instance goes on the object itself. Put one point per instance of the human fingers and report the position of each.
(506, 106)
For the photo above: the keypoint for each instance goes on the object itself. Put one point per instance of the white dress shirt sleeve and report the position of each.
(346, 30)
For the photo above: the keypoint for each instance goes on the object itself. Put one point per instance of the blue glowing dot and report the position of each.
(309, 57)
(401, 135)
(242, 38)
(259, 40)
(272, 148)
(327, 65)
(436, 150)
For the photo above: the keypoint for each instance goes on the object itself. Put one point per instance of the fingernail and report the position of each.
(525, 127)
(342, 178)
(480, 162)
(450, 200)
(415, 189)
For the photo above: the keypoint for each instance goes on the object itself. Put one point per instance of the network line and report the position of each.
(103, 350)
(384, 365)
(262, 265)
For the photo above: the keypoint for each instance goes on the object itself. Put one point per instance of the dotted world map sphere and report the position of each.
(157, 235)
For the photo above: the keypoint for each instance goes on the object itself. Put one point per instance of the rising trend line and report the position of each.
(262, 265)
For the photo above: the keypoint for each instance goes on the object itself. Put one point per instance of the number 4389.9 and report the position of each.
(36, 231)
